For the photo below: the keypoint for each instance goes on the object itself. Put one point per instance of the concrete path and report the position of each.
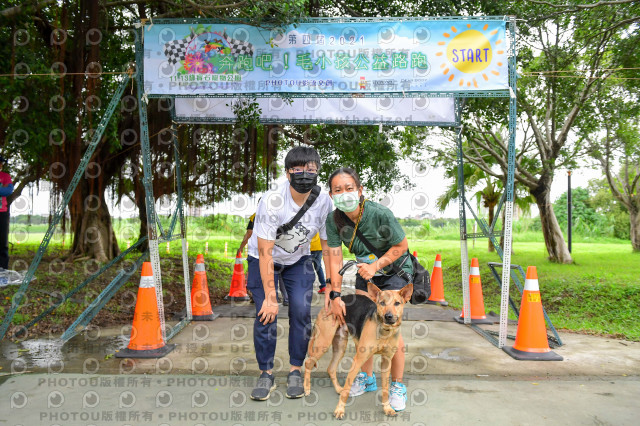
(83, 399)
(453, 375)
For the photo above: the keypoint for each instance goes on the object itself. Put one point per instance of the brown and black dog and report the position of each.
(374, 323)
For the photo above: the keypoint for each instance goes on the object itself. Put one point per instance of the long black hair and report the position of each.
(339, 217)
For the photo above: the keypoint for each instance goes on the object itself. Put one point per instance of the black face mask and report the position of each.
(303, 182)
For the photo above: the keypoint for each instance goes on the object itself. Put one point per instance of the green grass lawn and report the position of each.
(599, 293)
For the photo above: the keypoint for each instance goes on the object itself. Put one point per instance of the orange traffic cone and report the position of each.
(531, 338)
(146, 336)
(475, 294)
(200, 302)
(238, 289)
(437, 286)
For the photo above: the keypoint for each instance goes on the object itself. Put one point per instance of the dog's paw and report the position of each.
(389, 411)
(307, 391)
(339, 413)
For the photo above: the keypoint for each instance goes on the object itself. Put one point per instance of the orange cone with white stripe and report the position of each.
(437, 286)
(238, 289)
(146, 336)
(200, 302)
(475, 295)
(531, 338)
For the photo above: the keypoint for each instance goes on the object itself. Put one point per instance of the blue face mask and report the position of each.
(347, 201)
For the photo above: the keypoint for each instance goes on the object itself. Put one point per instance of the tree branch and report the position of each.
(14, 11)
(347, 8)
(582, 6)
(540, 139)
(28, 179)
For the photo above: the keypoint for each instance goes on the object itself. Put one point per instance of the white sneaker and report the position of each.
(363, 383)
(398, 396)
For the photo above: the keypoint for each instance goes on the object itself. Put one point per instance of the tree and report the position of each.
(604, 203)
(620, 148)
(45, 126)
(563, 59)
(613, 140)
(489, 193)
(584, 216)
(374, 153)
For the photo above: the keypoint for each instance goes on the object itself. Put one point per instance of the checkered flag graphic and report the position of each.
(176, 50)
(239, 47)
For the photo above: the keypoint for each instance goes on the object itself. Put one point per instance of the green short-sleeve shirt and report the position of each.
(380, 227)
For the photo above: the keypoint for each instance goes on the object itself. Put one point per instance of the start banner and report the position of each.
(325, 58)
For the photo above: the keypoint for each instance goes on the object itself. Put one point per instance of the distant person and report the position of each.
(245, 240)
(6, 189)
(316, 255)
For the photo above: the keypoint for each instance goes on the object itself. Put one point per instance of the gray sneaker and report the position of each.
(262, 391)
(294, 385)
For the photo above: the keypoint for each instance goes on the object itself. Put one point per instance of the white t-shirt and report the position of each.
(277, 208)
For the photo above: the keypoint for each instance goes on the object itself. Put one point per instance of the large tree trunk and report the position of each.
(553, 238)
(142, 213)
(93, 230)
(491, 216)
(634, 219)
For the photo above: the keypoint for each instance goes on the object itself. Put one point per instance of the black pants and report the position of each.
(383, 282)
(4, 239)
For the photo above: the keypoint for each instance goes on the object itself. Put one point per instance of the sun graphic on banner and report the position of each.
(470, 56)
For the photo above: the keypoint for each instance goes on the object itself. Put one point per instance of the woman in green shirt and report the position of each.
(380, 227)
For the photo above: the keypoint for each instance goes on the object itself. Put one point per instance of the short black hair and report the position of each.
(299, 156)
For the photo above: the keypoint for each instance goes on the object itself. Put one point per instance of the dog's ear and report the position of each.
(373, 291)
(406, 292)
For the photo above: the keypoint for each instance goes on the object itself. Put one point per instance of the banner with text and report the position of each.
(389, 111)
(325, 58)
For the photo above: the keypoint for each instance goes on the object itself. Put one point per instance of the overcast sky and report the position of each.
(429, 186)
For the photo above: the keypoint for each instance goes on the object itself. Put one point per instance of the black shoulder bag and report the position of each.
(421, 279)
(283, 229)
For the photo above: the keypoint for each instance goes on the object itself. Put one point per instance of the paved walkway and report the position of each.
(453, 375)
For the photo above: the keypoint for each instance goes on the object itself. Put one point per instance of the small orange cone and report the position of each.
(200, 302)
(146, 336)
(437, 286)
(531, 338)
(475, 294)
(238, 289)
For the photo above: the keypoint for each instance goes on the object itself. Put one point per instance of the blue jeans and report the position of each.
(317, 265)
(298, 281)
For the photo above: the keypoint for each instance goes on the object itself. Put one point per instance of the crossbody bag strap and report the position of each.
(283, 229)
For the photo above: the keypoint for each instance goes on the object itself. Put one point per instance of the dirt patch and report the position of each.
(56, 278)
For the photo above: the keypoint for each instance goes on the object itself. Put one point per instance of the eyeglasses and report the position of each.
(300, 170)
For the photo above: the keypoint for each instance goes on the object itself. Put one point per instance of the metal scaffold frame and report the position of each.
(153, 225)
(157, 235)
(507, 200)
